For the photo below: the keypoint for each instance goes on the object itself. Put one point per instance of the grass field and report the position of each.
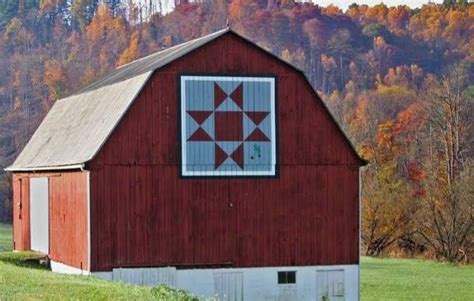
(5, 237)
(382, 279)
(411, 279)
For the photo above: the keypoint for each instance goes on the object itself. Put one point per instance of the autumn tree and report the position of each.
(106, 37)
(131, 53)
(82, 12)
(391, 193)
(449, 227)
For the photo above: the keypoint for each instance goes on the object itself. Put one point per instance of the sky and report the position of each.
(341, 3)
(344, 4)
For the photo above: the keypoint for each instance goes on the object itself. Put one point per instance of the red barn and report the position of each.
(212, 166)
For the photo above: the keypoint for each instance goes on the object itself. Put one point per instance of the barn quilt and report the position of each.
(228, 126)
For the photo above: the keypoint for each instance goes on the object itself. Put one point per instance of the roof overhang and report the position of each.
(45, 168)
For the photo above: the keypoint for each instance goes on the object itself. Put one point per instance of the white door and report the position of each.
(39, 215)
(330, 285)
(229, 286)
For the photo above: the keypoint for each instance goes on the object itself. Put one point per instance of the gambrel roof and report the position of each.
(76, 127)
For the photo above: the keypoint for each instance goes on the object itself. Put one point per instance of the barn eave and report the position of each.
(46, 168)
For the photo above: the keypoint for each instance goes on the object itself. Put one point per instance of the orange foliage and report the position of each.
(131, 53)
(386, 134)
(55, 78)
(377, 14)
(47, 6)
(415, 172)
(398, 18)
(332, 10)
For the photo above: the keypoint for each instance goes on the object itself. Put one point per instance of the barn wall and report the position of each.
(144, 214)
(68, 209)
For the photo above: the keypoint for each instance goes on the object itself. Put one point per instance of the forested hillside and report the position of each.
(399, 80)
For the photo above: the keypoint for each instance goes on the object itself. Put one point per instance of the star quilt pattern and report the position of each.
(228, 126)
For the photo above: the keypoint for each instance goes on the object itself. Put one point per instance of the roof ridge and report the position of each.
(173, 47)
(151, 62)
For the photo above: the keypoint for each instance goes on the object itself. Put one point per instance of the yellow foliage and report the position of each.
(332, 10)
(131, 53)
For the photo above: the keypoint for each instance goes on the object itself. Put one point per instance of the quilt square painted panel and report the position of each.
(228, 126)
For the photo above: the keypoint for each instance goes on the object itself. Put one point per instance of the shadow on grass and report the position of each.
(23, 259)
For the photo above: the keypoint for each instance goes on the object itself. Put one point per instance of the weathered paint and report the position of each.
(143, 214)
(68, 228)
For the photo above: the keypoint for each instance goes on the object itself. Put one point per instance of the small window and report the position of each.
(287, 277)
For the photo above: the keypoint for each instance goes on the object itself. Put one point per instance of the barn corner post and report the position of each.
(359, 171)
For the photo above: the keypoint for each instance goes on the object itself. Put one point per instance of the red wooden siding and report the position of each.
(21, 213)
(68, 230)
(144, 214)
(68, 219)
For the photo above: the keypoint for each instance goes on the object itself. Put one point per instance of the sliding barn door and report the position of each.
(229, 286)
(330, 285)
(39, 215)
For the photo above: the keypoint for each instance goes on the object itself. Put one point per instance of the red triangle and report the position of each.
(257, 117)
(200, 116)
(237, 96)
(238, 156)
(219, 95)
(220, 156)
(257, 135)
(200, 135)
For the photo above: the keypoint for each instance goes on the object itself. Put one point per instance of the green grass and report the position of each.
(6, 237)
(411, 279)
(24, 279)
(382, 279)
(21, 279)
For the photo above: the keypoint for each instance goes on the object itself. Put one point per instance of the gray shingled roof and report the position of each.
(76, 127)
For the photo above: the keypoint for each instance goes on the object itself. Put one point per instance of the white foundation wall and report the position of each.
(62, 268)
(337, 282)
